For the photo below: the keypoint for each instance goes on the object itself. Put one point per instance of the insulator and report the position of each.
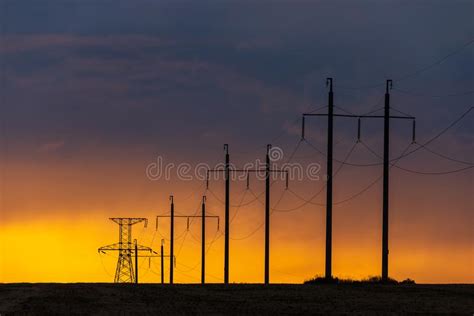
(302, 128)
(358, 130)
(413, 139)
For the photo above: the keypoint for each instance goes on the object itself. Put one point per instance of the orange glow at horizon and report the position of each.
(59, 217)
(48, 252)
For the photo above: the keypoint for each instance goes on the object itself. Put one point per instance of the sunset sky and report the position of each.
(94, 91)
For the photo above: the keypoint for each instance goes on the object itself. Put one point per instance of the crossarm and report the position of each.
(118, 247)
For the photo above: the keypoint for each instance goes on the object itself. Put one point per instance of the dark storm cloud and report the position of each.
(279, 40)
(140, 71)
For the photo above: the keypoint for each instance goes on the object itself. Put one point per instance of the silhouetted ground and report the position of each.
(235, 299)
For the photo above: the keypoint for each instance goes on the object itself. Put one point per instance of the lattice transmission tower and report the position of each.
(126, 248)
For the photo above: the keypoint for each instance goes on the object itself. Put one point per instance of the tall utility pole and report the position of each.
(171, 239)
(329, 174)
(386, 175)
(203, 241)
(267, 215)
(328, 273)
(124, 272)
(386, 167)
(268, 171)
(226, 216)
(203, 217)
(226, 171)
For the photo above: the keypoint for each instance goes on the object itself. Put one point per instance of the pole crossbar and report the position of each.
(361, 116)
(188, 217)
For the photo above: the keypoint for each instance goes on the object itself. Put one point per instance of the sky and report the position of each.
(95, 93)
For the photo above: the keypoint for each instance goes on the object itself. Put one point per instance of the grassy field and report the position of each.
(217, 299)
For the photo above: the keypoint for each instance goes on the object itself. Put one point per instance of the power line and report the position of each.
(234, 205)
(400, 112)
(209, 245)
(298, 144)
(418, 71)
(311, 145)
(343, 110)
(175, 238)
(283, 132)
(416, 94)
(435, 63)
(238, 207)
(439, 134)
(262, 223)
(334, 175)
(317, 193)
(191, 222)
(373, 108)
(250, 234)
(257, 228)
(279, 200)
(197, 240)
(416, 171)
(303, 199)
(444, 156)
(365, 189)
(192, 193)
(371, 184)
(446, 128)
(103, 265)
(435, 173)
(194, 268)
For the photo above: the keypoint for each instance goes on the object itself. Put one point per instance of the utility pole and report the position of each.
(386, 167)
(226, 216)
(203, 217)
(226, 171)
(267, 215)
(328, 274)
(268, 171)
(386, 175)
(171, 239)
(203, 241)
(162, 262)
(136, 261)
(329, 173)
